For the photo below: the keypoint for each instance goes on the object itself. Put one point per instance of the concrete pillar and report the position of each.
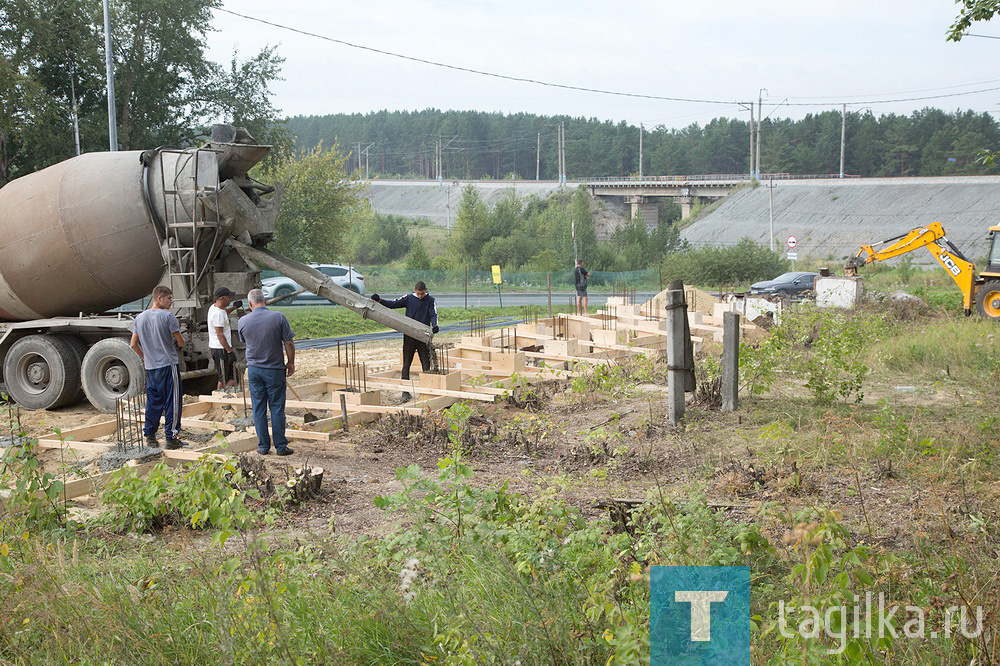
(646, 207)
(676, 382)
(730, 361)
(686, 203)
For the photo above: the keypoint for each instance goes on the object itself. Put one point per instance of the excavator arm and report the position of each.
(933, 238)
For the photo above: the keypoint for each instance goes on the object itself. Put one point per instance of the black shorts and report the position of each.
(581, 292)
(225, 365)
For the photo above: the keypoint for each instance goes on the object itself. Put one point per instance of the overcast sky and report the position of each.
(816, 54)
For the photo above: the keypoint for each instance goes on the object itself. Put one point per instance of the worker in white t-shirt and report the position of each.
(220, 336)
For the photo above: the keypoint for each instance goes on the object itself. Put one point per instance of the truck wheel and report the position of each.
(988, 300)
(111, 370)
(42, 372)
(79, 348)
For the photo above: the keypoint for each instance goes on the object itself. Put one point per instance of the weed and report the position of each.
(199, 495)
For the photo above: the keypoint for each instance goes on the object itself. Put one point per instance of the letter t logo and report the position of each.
(701, 611)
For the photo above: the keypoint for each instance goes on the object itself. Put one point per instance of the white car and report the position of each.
(343, 276)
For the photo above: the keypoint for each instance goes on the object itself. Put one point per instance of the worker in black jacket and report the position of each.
(419, 306)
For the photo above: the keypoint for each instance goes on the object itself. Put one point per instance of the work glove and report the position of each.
(434, 329)
(376, 298)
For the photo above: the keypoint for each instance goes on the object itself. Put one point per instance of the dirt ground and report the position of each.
(594, 446)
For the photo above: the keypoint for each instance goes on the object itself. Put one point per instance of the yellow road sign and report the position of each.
(496, 275)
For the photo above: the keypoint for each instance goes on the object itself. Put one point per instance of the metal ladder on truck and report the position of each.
(186, 222)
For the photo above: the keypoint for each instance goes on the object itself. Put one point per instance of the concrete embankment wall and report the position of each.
(832, 218)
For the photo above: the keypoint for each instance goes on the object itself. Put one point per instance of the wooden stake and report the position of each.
(343, 411)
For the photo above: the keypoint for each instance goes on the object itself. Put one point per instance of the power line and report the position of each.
(598, 91)
(473, 71)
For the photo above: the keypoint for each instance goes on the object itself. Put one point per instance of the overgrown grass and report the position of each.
(871, 497)
(958, 351)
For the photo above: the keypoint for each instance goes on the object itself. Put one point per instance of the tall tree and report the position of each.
(317, 206)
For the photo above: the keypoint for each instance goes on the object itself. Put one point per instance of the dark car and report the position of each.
(789, 284)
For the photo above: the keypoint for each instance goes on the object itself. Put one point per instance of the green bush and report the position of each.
(738, 264)
(207, 493)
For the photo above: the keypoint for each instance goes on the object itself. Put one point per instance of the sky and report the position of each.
(800, 56)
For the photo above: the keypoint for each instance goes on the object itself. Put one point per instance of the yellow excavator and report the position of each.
(983, 290)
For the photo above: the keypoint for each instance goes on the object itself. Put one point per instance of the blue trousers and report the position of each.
(267, 391)
(163, 394)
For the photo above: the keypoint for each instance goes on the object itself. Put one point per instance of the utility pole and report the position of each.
(770, 212)
(843, 136)
(760, 115)
(640, 151)
(76, 114)
(359, 157)
(751, 139)
(366, 151)
(562, 154)
(110, 71)
(538, 155)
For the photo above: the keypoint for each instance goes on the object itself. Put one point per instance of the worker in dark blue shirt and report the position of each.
(419, 306)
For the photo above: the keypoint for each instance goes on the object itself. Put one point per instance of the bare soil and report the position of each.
(597, 446)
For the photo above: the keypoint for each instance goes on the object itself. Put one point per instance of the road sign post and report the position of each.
(792, 242)
(498, 280)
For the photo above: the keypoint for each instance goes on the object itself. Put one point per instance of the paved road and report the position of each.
(513, 299)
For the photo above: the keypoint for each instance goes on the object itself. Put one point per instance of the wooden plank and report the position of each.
(468, 395)
(326, 426)
(87, 433)
(311, 404)
(191, 456)
(90, 447)
(209, 425)
(311, 388)
(395, 383)
(196, 408)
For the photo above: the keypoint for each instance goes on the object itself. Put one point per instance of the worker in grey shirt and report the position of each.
(155, 332)
(267, 334)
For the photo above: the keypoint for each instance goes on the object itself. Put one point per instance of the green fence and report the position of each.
(389, 280)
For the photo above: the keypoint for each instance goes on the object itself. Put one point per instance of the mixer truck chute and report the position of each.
(100, 230)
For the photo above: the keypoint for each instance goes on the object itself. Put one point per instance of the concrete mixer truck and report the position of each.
(90, 234)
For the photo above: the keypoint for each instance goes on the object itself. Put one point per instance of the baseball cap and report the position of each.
(224, 291)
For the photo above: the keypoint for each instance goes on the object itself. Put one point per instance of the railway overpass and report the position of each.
(643, 194)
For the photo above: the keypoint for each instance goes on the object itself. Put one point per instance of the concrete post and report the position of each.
(675, 356)
(730, 361)
(686, 203)
(689, 378)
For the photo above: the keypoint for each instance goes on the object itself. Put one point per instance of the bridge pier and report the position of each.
(645, 207)
(686, 203)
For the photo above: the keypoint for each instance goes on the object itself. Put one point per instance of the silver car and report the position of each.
(343, 276)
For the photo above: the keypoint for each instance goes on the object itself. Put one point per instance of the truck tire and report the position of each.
(111, 370)
(79, 348)
(283, 292)
(988, 300)
(42, 372)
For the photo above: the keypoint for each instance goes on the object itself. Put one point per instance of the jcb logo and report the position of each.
(950, 264)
